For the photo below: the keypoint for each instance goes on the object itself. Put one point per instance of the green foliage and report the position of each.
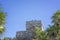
(58, 36)
(2, 29)
(53, 30)
(56, 17)
(40, 35)
(7, 38)
(2, 20)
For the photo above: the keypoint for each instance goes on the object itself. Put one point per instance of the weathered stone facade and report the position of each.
(28, 34)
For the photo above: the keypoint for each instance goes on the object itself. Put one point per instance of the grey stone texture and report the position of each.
(28, 34)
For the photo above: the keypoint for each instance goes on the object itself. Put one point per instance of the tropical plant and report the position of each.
(53, 30)
(2, 21)
(39, 34)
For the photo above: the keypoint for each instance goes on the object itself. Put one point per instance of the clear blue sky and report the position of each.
(19, 11)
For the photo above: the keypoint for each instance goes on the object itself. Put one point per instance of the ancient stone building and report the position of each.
(28, 34)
